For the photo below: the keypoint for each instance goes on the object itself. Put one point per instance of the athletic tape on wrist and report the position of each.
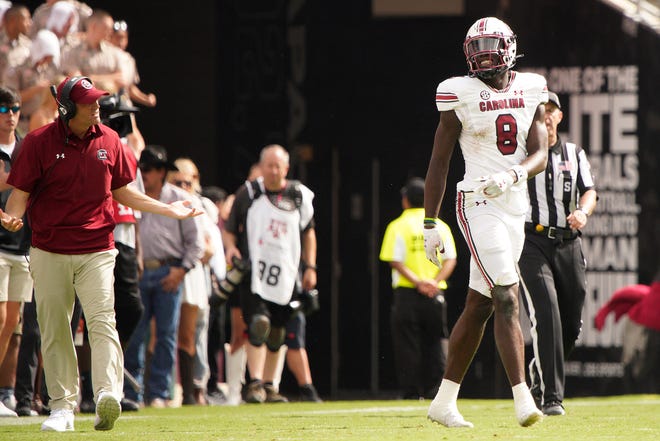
(521, 173)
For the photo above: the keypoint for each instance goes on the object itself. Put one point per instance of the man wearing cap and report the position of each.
(419, 312)
(65, 177)
(169, 250)
(552, 266)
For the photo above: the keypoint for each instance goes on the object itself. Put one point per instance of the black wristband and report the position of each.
(307, 266)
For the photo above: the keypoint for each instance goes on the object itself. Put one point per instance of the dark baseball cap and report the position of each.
(155, 156)
(83, 92)
(414, 191)
(553, 98)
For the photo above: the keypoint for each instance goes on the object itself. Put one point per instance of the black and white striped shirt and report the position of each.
(554, 194)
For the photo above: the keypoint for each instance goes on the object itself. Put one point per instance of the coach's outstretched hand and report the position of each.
(10, 223)
(184, 210)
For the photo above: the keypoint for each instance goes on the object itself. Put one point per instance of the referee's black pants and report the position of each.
(418, 325)
(553, 289)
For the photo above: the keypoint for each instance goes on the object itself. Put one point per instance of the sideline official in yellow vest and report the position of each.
(419, 312)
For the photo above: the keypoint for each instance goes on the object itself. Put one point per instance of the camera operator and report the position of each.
(120, 117)
(270, 225)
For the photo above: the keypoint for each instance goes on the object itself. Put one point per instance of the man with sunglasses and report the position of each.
(119, 38)
(65, 177)
(5, 109)
(15, 280)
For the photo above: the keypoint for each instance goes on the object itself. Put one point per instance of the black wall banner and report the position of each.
(601, 106)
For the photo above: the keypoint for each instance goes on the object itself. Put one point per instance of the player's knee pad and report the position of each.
(275, 338)
(258, 329)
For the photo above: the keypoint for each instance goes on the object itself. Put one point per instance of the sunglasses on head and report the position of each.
(6, 109)
(120, 25)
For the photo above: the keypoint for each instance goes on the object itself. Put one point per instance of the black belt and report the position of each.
(152, 264)
(553, 233)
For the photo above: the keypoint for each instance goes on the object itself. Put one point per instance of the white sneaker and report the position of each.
(108, 409)
(10, 401)
(60, 420)
(447, 415)
(528, 414)
(234, 399)
(6, 412)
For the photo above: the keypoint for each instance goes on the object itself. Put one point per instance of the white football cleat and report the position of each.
(447, 415)
(528, 414)
(60, 420)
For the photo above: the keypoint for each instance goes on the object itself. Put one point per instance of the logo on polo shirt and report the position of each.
(102, 154)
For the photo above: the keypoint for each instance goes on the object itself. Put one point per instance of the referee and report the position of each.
(552, 266)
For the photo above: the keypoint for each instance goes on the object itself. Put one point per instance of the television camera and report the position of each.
(116, 114)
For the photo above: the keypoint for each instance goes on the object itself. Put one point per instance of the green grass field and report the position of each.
(612, 418)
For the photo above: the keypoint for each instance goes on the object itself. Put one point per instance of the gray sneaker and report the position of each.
(553, 408)
(308, 393)
(216, 398)
(255, 392)
(273, 396)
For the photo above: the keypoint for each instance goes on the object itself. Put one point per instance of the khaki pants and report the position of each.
(57, 279)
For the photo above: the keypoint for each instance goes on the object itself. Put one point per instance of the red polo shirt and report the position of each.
(70, 182)
(124, 214)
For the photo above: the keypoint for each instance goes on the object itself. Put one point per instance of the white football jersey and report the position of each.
(495, 122)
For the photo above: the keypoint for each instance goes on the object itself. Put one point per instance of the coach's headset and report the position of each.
(65, 107)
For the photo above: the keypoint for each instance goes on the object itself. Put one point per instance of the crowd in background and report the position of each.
(174, 354)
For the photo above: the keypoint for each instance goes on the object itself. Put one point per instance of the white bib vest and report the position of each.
(274, 240)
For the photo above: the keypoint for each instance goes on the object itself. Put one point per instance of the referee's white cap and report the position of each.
(553, 98)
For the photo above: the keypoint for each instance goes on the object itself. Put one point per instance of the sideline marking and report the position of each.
(464, 403)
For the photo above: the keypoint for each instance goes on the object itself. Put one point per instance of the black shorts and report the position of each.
(253, 304)
(295, 331)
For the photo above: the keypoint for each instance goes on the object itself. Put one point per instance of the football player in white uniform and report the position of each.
(497, 117)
